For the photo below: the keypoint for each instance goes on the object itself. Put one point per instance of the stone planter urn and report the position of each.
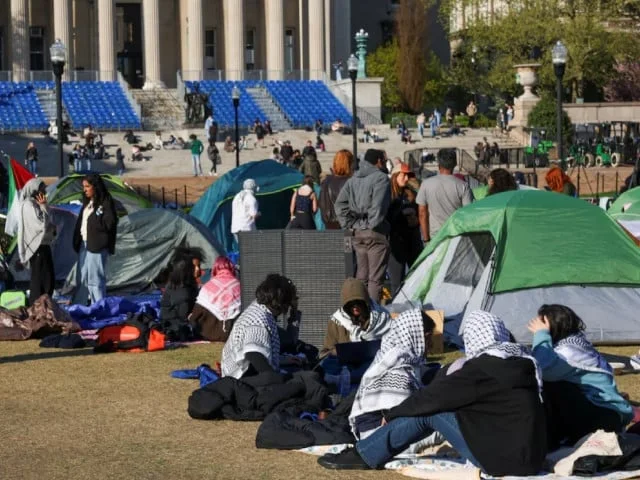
(527, 77)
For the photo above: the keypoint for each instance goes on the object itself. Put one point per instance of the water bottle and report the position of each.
(344, 385)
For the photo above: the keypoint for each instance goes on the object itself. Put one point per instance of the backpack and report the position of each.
(138, 333)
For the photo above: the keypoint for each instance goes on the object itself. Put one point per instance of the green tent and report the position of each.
(69, 190)
(626, 206)
(514, 251)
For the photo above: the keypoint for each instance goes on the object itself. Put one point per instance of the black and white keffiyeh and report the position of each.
(395, 371)
(580, 353)
(255, 330)
(378, 325)
(486, 334)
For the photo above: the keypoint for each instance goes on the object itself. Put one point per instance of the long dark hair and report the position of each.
(562, 320)
(277, 293)
(181, 274)
(100, 192)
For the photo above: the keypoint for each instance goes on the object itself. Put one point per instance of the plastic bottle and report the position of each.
(344, 385)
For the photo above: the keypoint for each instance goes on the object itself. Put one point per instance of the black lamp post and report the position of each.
(559, 58)
(474, 66)
(235, 96)
(352, 65)
(58, 58)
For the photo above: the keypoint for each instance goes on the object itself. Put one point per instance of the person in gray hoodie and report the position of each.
(362, 207)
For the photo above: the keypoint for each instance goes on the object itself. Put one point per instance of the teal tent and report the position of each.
(276, 184)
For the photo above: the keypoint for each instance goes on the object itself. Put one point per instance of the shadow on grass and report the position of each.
(27, 357)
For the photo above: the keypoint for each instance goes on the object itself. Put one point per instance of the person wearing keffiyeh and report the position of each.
(489, 409)
(254, 344)
(579, 388)
(395, 372)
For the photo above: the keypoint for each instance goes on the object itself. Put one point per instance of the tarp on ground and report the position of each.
(276, 184)
(512, 252)
(69, 190)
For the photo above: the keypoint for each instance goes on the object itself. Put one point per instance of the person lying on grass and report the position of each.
(254, 344)
(487, 405)
(580, 392)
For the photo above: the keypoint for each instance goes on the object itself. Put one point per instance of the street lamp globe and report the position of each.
(235, 93)
(559, 53)
(58, 52)
(352, 64)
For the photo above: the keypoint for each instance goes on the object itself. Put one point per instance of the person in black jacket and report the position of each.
(487, 405)
(94, 238)
(178, 300)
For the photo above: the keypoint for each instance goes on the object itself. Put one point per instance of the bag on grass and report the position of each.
(11, 299)
(137, 334)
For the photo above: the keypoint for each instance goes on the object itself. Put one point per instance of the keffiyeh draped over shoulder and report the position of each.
(396, 368)
(580, 353)
(255, 330)
(486, 334)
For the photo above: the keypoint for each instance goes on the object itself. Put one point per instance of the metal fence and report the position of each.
(257, 75)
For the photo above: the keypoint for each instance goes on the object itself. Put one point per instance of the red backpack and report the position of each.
(136, 334)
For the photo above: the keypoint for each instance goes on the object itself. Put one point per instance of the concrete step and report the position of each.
(265, 102)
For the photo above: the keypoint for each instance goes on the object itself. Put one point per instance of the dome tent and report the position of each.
(276, 184)
(514, 251)
(69, 190)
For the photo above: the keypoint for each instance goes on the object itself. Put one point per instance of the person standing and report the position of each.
(311, 166)
(36, 233)
(209, 122)
(244, 209)
(94, 238)
(441, 195)
(332, 185)
(303, 207)
(31, 158)
(472, 111)
(421, 121)
(196, 150)
(214, 154)
(362, 207)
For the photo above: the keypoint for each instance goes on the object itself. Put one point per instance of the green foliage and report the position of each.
(585, 26)
(382, 63)
(437, 84)
(543, 116)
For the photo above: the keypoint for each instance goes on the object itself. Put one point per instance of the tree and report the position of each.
(509, 38)
(411, 29)
(383, 63)
(623, 87)
(543, 116)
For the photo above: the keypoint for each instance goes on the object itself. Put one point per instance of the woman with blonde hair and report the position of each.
(332, 184)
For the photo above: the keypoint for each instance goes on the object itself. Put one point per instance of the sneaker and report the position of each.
(348, 459)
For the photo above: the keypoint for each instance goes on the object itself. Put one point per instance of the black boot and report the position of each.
(348, 459)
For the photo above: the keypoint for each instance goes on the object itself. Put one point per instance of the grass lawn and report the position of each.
(75, 415)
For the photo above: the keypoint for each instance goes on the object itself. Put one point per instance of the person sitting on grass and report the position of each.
(218, 303)
(487, 405)
(253, 347)
(395, 372)
(580, 391)
(178, 299)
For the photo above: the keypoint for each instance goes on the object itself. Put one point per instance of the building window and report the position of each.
(36, 47)
(210, 49)
(250, 50)
(289, 48)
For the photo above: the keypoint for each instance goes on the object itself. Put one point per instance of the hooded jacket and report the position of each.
(341, 328)
(34, 222)
(363, 202)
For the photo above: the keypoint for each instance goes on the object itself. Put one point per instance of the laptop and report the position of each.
(356, 353)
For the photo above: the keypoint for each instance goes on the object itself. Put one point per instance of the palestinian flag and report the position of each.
(18, 176)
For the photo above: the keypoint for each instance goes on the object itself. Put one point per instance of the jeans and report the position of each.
(91, 271)
(33, 166)
(197, 168)
(372, 253)
(395, 437)
(88, 163)
(77, 165)
(421, 129)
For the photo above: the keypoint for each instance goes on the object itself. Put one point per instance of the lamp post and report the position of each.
(559, 55)
(58, 58)
(352, 65)
(474, 66)
(235, 96)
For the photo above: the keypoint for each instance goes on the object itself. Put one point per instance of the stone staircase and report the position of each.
(47, 99)
(266, 103)
(161, 109)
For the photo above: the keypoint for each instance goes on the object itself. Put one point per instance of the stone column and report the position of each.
(62, 30)
(151, 19)
(20, 53)
(196, 40)
(234, 39)
(328, 36)
(106, 41)
(301, 33)
(275, 39)
(316, 39)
